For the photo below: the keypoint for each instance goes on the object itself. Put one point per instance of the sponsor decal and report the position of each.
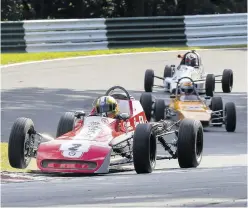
(193, 107)
(139, 120)
(105, 121)
(127, 125)
(72, 153)
(94, 123)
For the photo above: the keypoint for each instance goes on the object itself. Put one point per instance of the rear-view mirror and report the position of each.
(79, 114)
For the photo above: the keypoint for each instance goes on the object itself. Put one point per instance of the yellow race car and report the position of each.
(186, 103)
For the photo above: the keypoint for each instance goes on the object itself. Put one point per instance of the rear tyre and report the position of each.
(230, 117)
(168, 71)
(227, 80)
(217, 105)
(144, 149)
(159, 110)
(66, 124)
(146, 102)
(21, 133)
(210, 85)
(149, 80)
(190, 143)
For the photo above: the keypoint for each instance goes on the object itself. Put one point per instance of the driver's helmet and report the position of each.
(106, 105)
(187, 88)
(191, 60)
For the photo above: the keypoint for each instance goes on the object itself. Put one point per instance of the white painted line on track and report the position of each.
(107, 55)
(158, 201)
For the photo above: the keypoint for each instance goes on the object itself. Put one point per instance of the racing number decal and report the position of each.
(74, 150)
(75, 147)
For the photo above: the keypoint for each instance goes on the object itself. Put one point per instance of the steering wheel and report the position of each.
(118, 87)
(193, 83)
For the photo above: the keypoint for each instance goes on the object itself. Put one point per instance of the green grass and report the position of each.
(5, 166)
(11, 58)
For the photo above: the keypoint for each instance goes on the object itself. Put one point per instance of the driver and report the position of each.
(191, 60)
(187, 92)
(107, 106)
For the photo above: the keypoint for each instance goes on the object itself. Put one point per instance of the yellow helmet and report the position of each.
(108, 105)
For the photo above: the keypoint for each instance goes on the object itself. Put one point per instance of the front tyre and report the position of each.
(149, 80)
(217, 105)
(159, 110)
(190, 143)
(146, 103)
(210, 85)
(227, 80)
(168, 72)
(66, 124)
(230, 117)
(144, 149)
(19, 148)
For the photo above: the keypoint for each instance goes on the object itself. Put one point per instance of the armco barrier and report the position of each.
(94, 34)
(65, 35)
(216, 30)
(12, 37)
(144, 32)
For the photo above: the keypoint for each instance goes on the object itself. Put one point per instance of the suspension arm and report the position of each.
(167, 147)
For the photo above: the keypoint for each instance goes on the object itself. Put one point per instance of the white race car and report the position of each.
(190, 66)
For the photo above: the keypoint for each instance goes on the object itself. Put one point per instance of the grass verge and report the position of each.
(5, 166)
(11, 58)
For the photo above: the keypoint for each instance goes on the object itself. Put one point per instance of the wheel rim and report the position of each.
(152, 150)
(213, 86)
(199, 144)
(225, 117)
(231, 82)
(28, 144)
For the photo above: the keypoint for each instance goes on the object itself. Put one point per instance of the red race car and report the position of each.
(90, 144)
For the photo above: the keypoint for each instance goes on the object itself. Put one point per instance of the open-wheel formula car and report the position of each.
(91, 143)
(191, 106)
(190, 66)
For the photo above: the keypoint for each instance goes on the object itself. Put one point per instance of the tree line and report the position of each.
(15, 10)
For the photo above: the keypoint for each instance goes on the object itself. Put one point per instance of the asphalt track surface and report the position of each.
(44, 91)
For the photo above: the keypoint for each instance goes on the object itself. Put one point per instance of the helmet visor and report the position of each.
(105, 108)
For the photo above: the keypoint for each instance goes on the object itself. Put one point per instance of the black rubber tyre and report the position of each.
(146, 102)
(168, 71)
(66, 123)
(230, 117)
(227, 80)
(159, 110)
(216, 105)
(210, 85)
(190, 143)
(149, 80)
(21, 130)
(144, 149)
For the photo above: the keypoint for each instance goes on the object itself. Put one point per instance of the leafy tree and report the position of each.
(15, 10)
